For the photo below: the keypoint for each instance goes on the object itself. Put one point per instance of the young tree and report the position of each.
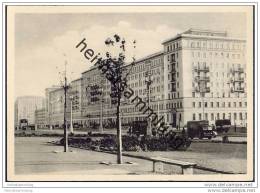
(113, 67)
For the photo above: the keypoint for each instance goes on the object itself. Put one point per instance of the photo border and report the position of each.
(255, 77)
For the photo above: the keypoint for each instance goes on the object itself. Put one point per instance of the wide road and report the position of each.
(36, 155)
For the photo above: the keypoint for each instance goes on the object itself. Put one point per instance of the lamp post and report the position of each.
(50, 114)
(174, 110)
(158, 110)
(148, 82)
(71, 114)
(101, 110)
(65, 87)
(203, 105)
(66, 147)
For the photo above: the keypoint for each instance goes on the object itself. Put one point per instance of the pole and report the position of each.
(203, 117)
(158, 112)
(149, 128)
(71, 118)
(65, 110)
(101, 112)
(119, 137)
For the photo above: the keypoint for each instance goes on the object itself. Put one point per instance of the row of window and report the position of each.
(141, 75)
(215, 54)
(216, 45)
(172, 57)
(223, 65)
(173, 95)
(143, 67)
(216, 116)
(230, 95)
(218, 104)
(173, 66)
(222, 84)
(142, 83)
(173, 46)
(218, 94)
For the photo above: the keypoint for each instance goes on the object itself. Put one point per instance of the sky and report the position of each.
(43, 42)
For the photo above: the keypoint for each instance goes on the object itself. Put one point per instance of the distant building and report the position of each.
(25, 107)
(40, 118)
(48, 105)
(55, 105)
(75, 98)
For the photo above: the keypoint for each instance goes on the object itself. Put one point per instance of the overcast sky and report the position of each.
(41, 40)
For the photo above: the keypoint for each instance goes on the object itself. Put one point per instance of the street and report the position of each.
(34, 155)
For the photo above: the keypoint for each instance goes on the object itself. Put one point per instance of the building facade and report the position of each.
(74, 103)
(49, 104)
(40, 119)
(199, 75)
(25, 107)
(55, 105)
(206, 77)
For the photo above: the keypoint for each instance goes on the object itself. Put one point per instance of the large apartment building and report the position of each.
(207, 75)
(199, 75)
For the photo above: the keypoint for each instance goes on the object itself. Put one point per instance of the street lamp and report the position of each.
(50, 114)
(158, 110)
(174, 111)
(71, 113)
(148, 82)
(101, 110)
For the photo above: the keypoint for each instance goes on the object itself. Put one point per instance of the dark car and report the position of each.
(222, 125)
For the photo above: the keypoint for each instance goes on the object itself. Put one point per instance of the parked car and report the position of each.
(222, 125)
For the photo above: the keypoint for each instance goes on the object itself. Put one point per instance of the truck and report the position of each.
(200, 129)
(162, 138)
(23, 124)
(139, 128)
(223, 125)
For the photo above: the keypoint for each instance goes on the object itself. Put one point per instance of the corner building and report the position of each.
(205, 77)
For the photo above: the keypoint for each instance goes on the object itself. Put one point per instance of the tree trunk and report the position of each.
(119, 137)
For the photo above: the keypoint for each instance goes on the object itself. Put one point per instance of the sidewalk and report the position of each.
(42, 158)
(34, 155)
(232, 139)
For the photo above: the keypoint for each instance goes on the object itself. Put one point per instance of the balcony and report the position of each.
(236, 70)
(201, 69)
(195, 89)
(172, 61)
(201, 90)
(202, 78)
(207, 90)
(173, 70)
(173, 90)
(173, 79)
(238, 90)
(239, 79)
